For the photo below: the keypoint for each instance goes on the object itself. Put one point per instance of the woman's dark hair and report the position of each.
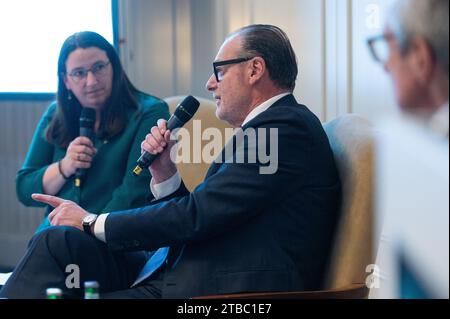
(273, 45)
(64, 126)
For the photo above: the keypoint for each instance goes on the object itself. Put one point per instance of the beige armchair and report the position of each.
(194, 173)
(351, 141)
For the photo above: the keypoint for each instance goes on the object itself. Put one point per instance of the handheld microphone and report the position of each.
(87, 122)
(183, 113)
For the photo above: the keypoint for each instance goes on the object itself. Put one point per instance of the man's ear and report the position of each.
(257, 69)
(422, 60)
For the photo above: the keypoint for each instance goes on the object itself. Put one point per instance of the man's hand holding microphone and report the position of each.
(158, 142)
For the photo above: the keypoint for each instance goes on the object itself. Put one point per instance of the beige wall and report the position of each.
(18, 223)
(170, 46)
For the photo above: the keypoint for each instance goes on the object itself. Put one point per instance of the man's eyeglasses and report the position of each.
(99, 69)
(218, 64)
(379, 47)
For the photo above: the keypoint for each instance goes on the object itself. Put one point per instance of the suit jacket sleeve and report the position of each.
(230, 196)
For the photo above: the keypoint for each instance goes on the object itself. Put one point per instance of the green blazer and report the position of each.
(109, 184)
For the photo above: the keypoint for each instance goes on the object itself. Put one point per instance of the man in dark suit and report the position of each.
(242, 230)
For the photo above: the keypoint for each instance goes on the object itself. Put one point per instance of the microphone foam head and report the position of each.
(187, 108)
(87, 117)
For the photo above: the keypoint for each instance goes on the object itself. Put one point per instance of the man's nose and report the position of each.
(211, 85)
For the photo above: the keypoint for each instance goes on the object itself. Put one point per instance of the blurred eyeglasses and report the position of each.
(379, 47)
(99, 70)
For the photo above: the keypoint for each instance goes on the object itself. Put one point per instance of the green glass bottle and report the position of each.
(91, 290)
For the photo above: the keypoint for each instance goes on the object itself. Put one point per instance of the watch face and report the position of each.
(89, 219)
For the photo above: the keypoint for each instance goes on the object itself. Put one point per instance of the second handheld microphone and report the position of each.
(87, 122)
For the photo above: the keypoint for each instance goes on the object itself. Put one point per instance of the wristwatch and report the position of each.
(87, 223)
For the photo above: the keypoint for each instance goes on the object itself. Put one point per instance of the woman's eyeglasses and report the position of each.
(99, 69)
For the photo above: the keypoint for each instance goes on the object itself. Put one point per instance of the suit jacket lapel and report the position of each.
(287, 100)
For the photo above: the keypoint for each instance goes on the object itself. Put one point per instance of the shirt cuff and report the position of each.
(99, 227)
(167, 187)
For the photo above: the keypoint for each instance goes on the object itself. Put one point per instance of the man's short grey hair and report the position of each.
(424, 18)
(273, 45)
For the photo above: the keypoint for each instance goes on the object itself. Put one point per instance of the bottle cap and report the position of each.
(53, 293)
(91, 284)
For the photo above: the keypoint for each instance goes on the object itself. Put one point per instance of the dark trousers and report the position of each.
(52, 250)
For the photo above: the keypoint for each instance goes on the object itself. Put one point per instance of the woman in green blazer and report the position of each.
(90, 75)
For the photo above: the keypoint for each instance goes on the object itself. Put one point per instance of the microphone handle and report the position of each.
(86, 132)
(146, 159)
(174, 123)
(81, 172)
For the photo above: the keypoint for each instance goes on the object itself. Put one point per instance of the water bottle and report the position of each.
(91, 290)
(54, 293)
